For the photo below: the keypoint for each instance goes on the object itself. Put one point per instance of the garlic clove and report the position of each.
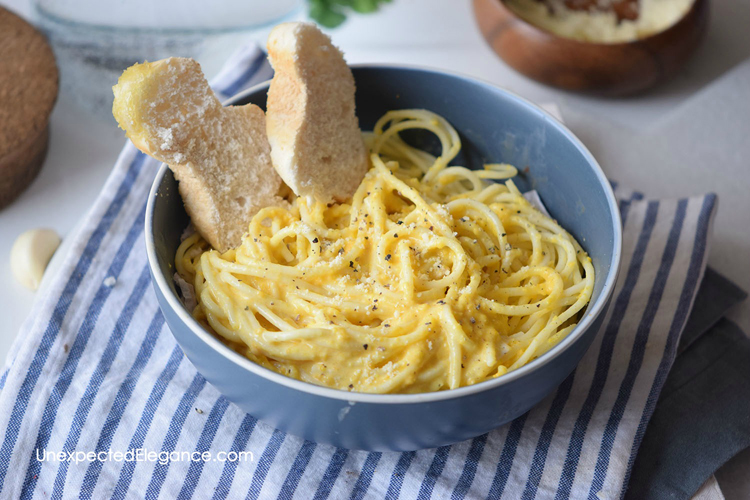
(30, 255)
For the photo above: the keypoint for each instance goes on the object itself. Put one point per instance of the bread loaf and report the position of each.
(28, 90)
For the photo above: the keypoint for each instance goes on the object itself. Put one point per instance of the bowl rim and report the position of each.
(591, 314)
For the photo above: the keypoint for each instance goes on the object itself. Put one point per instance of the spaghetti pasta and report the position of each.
(431, 277)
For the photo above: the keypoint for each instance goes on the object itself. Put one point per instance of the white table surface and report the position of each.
(689, 136)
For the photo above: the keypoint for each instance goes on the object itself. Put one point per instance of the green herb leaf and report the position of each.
(331, 13)
(325, 15)
(365, 6)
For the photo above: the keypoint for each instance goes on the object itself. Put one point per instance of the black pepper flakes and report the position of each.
(315, 240)
(388, 257)
(365, 346)
(400, 222)
(351, 263)
(395, 235)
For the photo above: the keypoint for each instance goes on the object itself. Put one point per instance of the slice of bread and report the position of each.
(220, 155)
(28, 91)
(316, 144)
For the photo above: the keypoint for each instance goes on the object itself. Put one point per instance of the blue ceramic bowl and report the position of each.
(495, 126)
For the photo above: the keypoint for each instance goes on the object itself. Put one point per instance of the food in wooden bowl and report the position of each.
(594, 47)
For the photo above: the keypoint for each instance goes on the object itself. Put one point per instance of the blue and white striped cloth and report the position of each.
(96, 369)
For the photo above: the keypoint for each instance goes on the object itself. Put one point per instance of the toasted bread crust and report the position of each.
(28, 91)
(316, 144)
(220, 155)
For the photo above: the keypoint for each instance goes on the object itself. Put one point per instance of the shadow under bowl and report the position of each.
(613, 69)
(495, 126)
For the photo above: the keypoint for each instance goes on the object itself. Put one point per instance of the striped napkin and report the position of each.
(96, 373)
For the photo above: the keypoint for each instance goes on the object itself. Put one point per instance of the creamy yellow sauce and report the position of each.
(430, 278)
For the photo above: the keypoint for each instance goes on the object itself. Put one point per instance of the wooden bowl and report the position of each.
(607, 69)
